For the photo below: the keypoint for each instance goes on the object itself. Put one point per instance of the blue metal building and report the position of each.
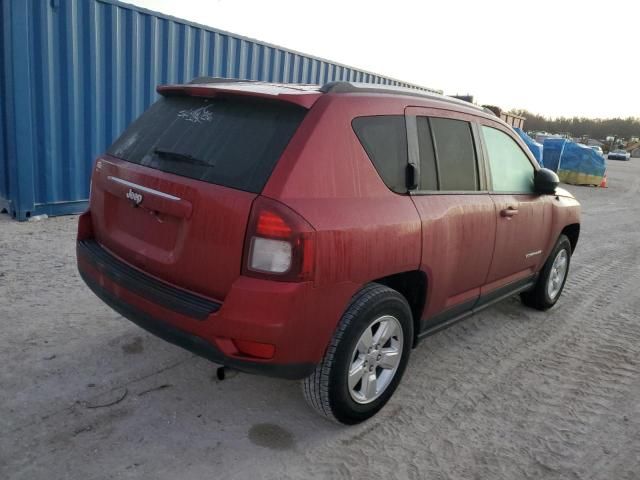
(74, 73)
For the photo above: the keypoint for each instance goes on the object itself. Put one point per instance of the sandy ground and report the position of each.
(509, 394)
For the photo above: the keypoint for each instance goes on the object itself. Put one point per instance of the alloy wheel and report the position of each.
(375, 359)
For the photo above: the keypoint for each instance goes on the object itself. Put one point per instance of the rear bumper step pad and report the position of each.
(171, 298)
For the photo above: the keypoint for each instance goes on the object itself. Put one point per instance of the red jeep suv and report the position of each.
(319, 233)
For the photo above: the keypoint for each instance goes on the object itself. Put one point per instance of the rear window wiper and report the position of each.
(181, 156)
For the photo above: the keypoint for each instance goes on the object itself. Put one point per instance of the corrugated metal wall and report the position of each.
(4, 164)
(78, 71)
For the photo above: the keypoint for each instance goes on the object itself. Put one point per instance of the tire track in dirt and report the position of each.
(580, 380)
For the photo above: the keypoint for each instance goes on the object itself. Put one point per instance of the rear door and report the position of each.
(523, 217)
(173, 194)
(458, 216)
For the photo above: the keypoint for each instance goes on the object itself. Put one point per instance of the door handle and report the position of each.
(509, 212)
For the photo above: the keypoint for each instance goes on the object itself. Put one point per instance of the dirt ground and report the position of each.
(509, 394)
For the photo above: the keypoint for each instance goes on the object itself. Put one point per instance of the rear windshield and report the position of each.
(231, 142)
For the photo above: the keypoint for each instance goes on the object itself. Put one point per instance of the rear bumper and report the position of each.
(180, 301)
(202, 326)
(191, 342)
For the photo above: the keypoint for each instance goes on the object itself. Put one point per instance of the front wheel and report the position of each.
(365, 359)
(552, 277)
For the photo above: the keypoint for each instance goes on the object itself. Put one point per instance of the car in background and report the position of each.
(619, 155)
(597, 149)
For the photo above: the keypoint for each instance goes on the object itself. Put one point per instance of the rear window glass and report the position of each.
(384, 138)
(231, 142)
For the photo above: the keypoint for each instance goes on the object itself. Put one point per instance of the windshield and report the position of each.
(231, 142)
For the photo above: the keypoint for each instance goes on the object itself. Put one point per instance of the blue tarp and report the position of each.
(553, 148)
(574, 163)
(535, 147)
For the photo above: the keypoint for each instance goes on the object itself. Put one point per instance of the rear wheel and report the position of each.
(552, 278)
(366, 358)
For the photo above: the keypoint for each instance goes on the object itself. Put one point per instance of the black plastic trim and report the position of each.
(460, 312)
(442, 319)
(172, 298)
(193, 343)
(501, 293)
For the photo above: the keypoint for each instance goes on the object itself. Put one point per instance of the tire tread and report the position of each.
(316, 386)
(537, 297)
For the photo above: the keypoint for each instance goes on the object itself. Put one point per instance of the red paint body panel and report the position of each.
(565, 211)
(290, 316)
(521, 240)
(195, 243)
(458, 237)
(364, 230)
(191, 234)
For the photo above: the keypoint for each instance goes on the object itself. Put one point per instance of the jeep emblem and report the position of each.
(135, 197)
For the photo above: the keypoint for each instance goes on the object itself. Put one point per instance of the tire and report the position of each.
(550, 284)
(375, 309)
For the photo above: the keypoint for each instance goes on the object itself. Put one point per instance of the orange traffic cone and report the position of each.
(603, 183)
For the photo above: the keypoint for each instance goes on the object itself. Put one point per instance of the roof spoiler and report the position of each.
(225, 87)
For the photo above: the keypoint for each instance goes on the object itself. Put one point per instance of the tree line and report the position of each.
(598, 128)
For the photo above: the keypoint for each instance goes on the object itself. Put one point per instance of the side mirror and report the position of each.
(546, 181)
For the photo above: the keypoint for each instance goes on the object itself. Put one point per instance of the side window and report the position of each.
(455, 154)
(428, 171)
(511, 170)
(384, 138)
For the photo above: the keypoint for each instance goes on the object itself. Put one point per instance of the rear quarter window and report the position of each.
(384, 138)
(234, 142)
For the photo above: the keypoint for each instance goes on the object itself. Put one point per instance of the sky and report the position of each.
(556, 58)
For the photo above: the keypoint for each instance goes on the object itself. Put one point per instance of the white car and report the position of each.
(619, 155)
(597, 149)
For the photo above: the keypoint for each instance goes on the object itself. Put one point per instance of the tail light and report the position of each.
(279, 244)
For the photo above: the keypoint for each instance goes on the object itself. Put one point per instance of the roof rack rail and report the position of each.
(358, 87)
(338, 87)
(203, 80)
(352, 87)
(490, 112)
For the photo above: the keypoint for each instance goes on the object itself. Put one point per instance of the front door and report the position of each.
(523, 217)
